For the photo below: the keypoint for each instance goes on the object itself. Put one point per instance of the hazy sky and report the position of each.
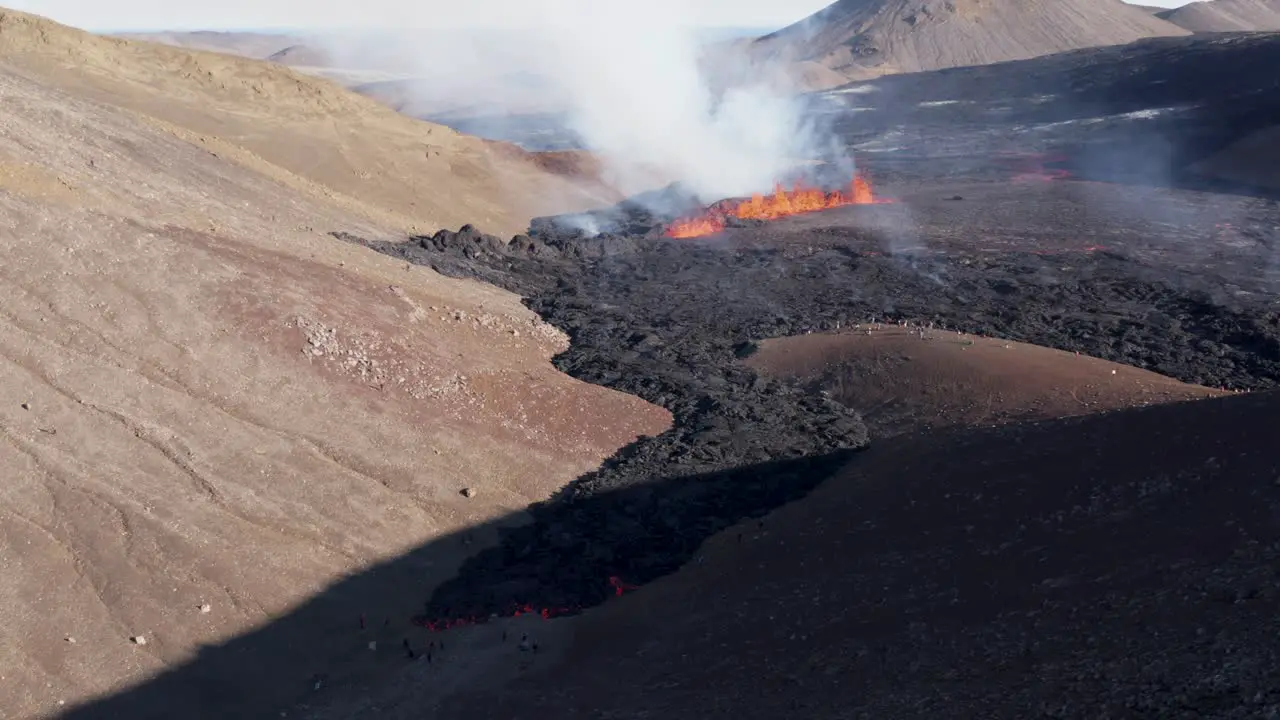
(331, 14)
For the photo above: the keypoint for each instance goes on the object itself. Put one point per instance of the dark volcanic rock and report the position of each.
(679, 357)
(642, 215)
(1140, 112)
(668, 320)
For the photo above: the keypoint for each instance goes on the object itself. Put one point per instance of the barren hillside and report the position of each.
(1226, 15)
(209, 410)
(304, 131)
(866, 38)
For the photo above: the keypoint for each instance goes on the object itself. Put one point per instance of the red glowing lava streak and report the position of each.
(780, 203)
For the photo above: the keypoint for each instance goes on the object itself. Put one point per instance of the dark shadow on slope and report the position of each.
(636, 534)
(1120, 565)
(578, 554)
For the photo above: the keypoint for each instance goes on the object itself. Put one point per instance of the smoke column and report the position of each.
(632, 82)
(638, 95)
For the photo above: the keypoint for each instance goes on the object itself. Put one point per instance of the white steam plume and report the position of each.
(638, 94)
(632, 83)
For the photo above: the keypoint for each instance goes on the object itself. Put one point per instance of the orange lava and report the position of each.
(708, 224)
(778, 204)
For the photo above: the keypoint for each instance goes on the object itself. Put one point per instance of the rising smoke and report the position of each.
(638, 88)
(644, 99)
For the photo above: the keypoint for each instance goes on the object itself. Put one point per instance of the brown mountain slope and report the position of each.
(305, 131)
(1226, 15)
(866, 38)
(905, 380)
(206, 401)
(1117, 565)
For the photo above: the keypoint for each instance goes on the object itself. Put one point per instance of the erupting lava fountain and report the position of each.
(780, 203)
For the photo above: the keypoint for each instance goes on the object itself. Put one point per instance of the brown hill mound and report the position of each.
(1226, 15)
(1116, 565)
(208, 403)
(903, 380)
(866, 38)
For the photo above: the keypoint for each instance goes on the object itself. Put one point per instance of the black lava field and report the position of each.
(668, 320)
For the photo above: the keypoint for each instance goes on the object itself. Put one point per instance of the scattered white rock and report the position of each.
(468, 492)
(206, 608)
(139, 639)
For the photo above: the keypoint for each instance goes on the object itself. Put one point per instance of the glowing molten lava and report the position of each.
(781, 203)
(617, 584)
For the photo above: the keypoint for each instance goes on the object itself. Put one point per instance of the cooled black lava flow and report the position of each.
(725, 417)
(668, 320)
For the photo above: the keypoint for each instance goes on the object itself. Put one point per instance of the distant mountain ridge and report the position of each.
(1226, 16)
(301, 56)
(867, 38)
